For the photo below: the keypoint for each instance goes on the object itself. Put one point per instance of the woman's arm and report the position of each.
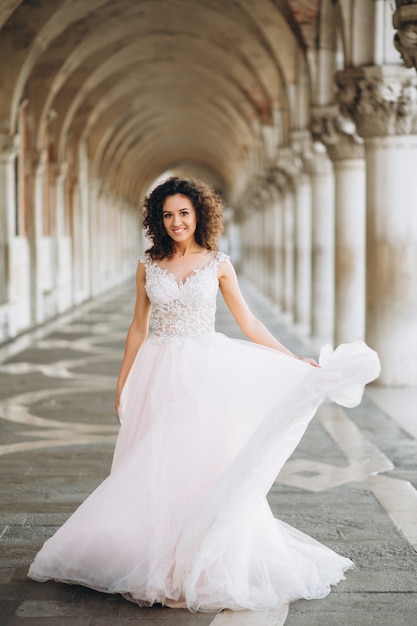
(137, 332)
(248, 323)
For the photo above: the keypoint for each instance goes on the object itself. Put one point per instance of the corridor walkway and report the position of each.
(351, 483)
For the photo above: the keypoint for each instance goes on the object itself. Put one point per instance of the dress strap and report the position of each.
(221, 257)
(145, 259)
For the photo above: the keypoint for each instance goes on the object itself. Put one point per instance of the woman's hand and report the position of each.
(137, 333)
(308, 360)
(248, 323)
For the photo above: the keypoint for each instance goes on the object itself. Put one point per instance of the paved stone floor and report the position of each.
(352, 482)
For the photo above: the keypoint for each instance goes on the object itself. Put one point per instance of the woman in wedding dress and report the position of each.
(207, 422)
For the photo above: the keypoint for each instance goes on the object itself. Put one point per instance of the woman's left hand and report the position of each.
(308, 360)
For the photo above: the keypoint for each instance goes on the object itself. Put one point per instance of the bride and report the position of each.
(207, 422)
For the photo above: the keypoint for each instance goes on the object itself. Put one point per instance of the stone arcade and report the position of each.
(301, 113)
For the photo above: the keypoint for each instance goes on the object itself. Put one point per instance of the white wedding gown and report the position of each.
(207, 422)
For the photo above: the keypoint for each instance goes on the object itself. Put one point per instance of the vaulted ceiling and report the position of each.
(153, 85)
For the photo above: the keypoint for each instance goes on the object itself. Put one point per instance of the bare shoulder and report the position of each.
(140, 273)
(227, 275)
(225, 266)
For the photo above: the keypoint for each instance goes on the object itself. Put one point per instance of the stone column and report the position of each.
(8, 153)
(322, 317)
(264, 250)
(35, 228)
(276, 227)
(289, 281)
(255, 226)
(81, 267)
(94, 243)
(284, 178)
(250, 260)
(244, 264)
(252, 257)
(263, 236)
(383, 103)
(281, 175)
(302, 256)
(263, 247)
(62, 260)
(270, 245)
(346, 151)
(302, 149)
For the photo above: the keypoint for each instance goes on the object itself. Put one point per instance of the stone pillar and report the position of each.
(302, 256)
(346, 151)
(282, 177)
(250, 260)
(94, 243)
(302, 149)
(263, 237)
(62, 260)
(270, 244)
(383, 102)
(253, 226)
(81, 267)
(322, 317)
(8, 153)
(264, 250)
(244, 264)
(60, 172)
(37, 278)
(276, 228)
(289, 281)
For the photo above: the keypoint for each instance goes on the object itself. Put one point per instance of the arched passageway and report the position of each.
(301, 114)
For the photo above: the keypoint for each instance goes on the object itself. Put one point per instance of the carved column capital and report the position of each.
(405, 39)
(259, 194)
(302, 148)
(59, 169)
(382, 100)
(9, 146)
(279, 179)
(285, 170)
(288, 162)
(337, 133)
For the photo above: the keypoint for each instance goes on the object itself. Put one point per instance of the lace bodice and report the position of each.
(182, 308)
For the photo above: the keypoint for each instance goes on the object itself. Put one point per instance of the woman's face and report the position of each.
(179, 217)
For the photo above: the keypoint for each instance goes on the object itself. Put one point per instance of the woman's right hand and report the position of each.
(137, 333)
(308, 360)
(117, 402)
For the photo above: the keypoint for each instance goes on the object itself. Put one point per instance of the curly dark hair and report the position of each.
(208, 207)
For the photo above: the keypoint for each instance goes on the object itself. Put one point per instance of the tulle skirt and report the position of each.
(206, 425)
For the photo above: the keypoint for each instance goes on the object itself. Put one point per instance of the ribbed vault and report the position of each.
(152, 85)
(299, 112)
